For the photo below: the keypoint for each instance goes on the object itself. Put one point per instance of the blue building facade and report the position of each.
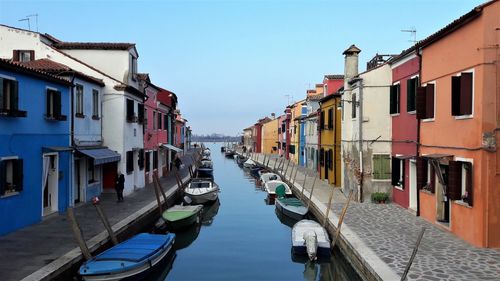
(35, 169)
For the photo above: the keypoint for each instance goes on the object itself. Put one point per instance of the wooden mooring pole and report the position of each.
(286, 170)
(78, 234)
(294, 177)
(328, 207)
(341, 219)
(105, 221)
(311, 192)
(304, 185)
(413, 254)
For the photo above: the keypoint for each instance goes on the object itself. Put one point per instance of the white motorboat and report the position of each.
(269, 177)
(271, 186)
(202, 190)
(291, 207)
(249, 163)
(309, 237)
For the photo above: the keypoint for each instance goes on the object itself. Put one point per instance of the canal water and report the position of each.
(242, 238)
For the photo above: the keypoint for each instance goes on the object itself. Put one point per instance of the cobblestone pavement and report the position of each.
(29, 249)
(391, 232)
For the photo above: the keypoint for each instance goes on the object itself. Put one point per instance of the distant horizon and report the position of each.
(233, 62)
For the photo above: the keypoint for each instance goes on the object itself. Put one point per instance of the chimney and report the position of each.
(351, 63)
(273, 116)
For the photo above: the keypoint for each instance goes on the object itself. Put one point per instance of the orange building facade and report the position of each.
(458, 172)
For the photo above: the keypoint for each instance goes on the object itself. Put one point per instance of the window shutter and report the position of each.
(18, 174)
(432, 180)
(330, 118)
(57, 104)
(130, 110)
(14, 96)
(429, 101)
(140, 112)
(3, 177)
(454, 180)
(392, 105)
(411, 86)
(140, 160)
(455, 95)
(421, 172)
(466, 93)
(468, 182)
(32, 55)
(130, 164)
(159, 121)
(330, 158)
(321, 156)
(322, 120)
(386, 169)
(421, 103)
(395, 171)
(15, 55)
(49, 94)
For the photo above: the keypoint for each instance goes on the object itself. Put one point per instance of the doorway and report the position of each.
(413, 186)
(79, 180)
(50, 184)
(327, 162)
(110, 172)
(443, 203)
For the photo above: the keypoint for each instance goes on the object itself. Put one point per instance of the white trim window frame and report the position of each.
(467, 116)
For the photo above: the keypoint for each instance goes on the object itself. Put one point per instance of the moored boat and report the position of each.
(310, 238)
(129, 259)
(202, 191)
(229, 153)
(179, 216)
(271, 186)
(291, 207)
(249, 163)
(265, 177)
(205, 169)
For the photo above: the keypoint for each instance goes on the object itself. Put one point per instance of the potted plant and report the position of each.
(380, 197)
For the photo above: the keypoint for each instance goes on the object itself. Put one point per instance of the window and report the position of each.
(23, 55)
(353, 106)
(155, 124)
(425, 102)
(411, 94)
(148, 164)
(140, 160)
(95, 104)
(330, 119)
(291, 149)
(91, 176)
(130, 162)
(9, 98)
(321, 156)
(398, 172)
(79, 101)
(11, 176)
(330, 159)
(394, 99)
(155, 160)
(461, 94)
(460, 181)
(381, 166)
(130, 111)
(140, 113)
(133, 67)
(159, 120)
(283, 127)
(322, 120)
(53, 106)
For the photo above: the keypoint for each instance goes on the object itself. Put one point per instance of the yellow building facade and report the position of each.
(330, 137)
(295, 131)
(270, 137)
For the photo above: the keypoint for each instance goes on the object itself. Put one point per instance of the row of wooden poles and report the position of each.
(77, 231)
(282, 171)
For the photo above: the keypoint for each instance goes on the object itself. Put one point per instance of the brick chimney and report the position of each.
(350, 63)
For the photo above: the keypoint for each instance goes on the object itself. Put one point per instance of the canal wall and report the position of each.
(367, 263)
(65, 267)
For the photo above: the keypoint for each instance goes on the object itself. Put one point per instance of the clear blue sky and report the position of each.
(232, 62)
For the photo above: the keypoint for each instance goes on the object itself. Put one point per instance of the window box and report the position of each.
(95, 117)
(132, 119)
(79, 115)
(56, 118)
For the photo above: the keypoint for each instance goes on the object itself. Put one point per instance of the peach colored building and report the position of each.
(458, 173)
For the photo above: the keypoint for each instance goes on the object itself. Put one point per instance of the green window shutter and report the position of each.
(386, 167)
(376, 166)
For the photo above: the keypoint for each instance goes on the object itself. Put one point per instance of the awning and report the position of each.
(56, 149)
(404, 157)
(101, 155)
(171, 147)
(436, 156)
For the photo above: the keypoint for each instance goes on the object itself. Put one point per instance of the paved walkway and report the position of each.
(390, 232)
(31, 248)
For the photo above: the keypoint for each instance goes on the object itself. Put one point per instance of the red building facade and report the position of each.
(405, 80)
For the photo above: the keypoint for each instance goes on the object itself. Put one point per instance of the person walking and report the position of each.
(119, 186)
(177, 162)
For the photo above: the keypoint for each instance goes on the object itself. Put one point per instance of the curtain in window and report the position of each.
(45, 175)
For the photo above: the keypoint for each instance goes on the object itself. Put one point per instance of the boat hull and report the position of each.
(296, 213)
(130, 272)
(204, 198)
(183, 223)
(204, 172)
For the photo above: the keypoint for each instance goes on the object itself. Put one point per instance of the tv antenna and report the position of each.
(28, 19)
(288, 98)
(413, 33)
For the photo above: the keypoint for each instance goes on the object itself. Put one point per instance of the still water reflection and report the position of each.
(242, 238)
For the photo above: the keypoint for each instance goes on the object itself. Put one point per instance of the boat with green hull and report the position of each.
(179, 216)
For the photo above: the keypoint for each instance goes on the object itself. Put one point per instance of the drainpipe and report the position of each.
(361, 139)
(419, 54)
